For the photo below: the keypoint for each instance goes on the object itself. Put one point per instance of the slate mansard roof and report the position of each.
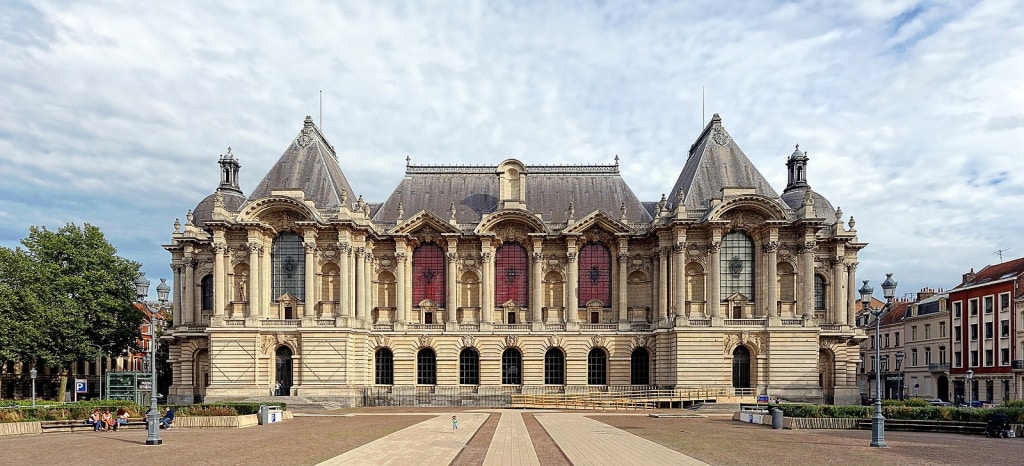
(714, 162)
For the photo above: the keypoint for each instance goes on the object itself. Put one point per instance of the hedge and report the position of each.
(1015, 414)
(19, 412)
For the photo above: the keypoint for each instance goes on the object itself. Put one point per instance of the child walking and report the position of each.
(455, 424)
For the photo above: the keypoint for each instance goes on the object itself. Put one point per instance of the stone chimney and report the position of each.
(925, 293)
(969, 276)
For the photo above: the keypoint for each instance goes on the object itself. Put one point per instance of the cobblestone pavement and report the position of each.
(398, 437)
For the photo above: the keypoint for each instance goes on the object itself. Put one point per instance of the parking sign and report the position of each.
(81, 385)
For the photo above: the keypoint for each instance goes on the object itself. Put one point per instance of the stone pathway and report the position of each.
(511, 444)
(429, 442)
(586, 441)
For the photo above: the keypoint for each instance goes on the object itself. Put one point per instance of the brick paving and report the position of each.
(586, 441)
(511, 444)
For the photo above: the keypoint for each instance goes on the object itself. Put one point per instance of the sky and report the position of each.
(912, 113)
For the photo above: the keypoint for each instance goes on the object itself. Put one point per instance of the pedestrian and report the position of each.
(277, 388)
(455, 425)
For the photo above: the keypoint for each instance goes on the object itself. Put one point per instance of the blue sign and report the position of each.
(81, 385)
(762, 398)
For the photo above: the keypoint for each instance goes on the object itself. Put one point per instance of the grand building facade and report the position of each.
(511, 278)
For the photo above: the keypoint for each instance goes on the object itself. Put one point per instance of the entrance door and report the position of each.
(741, 367)
(283, 371)
(595, 317)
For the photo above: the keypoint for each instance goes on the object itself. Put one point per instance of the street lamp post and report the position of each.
(889, 290)
(142, 289)
(33, 373)
(970, 393)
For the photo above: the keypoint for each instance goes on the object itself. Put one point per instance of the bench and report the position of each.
(948, 427)
(81, 426)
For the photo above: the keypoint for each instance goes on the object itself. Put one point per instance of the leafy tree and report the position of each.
(80, 298)
(18, 307)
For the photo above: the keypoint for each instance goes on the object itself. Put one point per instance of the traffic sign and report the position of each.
(81, 385)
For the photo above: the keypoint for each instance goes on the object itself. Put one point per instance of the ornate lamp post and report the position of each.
(889, 290)
(33, 373)
(970, 394)
(152, 420)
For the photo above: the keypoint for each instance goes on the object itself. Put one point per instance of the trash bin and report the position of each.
(776, 418)
(269, 414)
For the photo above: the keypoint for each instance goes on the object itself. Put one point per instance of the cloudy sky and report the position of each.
(114, 113)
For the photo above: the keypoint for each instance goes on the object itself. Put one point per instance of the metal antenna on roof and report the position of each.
(321, 111)
(999, 252)
(702, 106)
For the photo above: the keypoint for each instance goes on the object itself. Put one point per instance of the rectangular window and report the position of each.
(988, 304)
(942, 355)
(972, 306)
(988, 330)
(942, 329)
(913, 357)
(886, 341)
(974, 358)
(897, 338)
(1004, 302)
(885, 363)
(974, 332)
(958, 360)
(927, 331)
(1004, 328)
(988, 357)
(956, 309)
(913, 333)
(956, 333)
(1004, 356)
(927, 355)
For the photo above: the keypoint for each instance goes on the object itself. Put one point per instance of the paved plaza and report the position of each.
(505, 437)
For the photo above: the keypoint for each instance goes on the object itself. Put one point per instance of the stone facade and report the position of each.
(511, 278)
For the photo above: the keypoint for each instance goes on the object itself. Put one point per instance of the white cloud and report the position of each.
(910, 111)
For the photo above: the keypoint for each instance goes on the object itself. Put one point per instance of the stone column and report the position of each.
(838, 313)
(402, 305)
(179, 287)
(714, 298)
(344, 276)
(487, 281)
(310, 285)
(664, 310)
(537, 281)
(807, 265)
(771, 249)
(679, 275)
(623, 258)
(219, 278)
(851, 296)
(255, 286)
(451, 286)
(190, 287)
(368, 302)
(266, 279)
(360, 268)
(572, 285)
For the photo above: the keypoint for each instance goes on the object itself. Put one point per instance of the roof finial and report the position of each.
(622, 208)
(407, 159)
(401, 211)
(451, 213)
(360, 203)
(616, 160)
(189, 216)
(570, 213)
(177, 226)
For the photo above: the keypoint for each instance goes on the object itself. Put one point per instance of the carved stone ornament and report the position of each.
(678, 247)
(468, 341)
(597, 341)
(553, 341)
(757, 342)
(427, 234)
(806, 247)
(310, 247)
(511, 341)
(623, 257)
(770, 246)
(640, 341)
(306, 136)
(597, 235)
(424, 341)
(714, 246)
(381, 341)
(720, 137)
(511, 232)
(570, 256)
(745, 219)
(538, 257)
(282, 220)
(852, 266)
(269, 343)
(485, 257)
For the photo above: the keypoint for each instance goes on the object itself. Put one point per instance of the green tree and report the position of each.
(18, 307)
(82, 297)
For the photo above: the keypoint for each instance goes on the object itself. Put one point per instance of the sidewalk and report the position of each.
(586, 441)
(511, 444)
(429, 442)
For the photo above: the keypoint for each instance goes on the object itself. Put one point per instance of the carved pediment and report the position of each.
(424, 227)
(598, 221)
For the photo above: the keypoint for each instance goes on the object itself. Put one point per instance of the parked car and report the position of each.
(938, 402)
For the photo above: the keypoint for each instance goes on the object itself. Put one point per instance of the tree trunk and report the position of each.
(62, 385)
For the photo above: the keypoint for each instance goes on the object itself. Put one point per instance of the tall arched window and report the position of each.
(695, 282)
(595, 279)
(512, 283)
(426, 367)
(469, 367)
(289, 266)
(383, 367)
(554, 367)
(819, 292)
(512, 367)
(206, 291)
(640, 367)
(741, 367)
(597, 367)
(428, 274)
(737, 264)
(787, 282)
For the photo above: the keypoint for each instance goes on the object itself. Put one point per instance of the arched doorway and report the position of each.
(942, 388)
(283, 371)
(640, 367)
(826, 376)
(741, 367)
(200, 374)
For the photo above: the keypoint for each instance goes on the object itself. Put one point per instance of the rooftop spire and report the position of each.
(797, 165)
(229, 173)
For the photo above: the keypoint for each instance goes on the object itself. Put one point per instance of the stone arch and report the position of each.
(387, 291)
(748, 211)
(278, 212)
(511, 225)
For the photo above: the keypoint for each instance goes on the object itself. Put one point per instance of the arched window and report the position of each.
(741, 367)
(595, 280)
(206, 291)
(469, 367)
(428, 274)
(787, 282)
(554, 290)
(597, 367)
(383, 367)
(511, 367)
(737, 264)
(511, 282)
(640, 367)
(289, 266)
(386, 290)
(554, 367)
(639, 290)
(426, 367)
(695, 282)
(819, 292)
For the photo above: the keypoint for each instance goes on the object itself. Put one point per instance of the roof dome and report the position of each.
(794, 198)
(204, 210)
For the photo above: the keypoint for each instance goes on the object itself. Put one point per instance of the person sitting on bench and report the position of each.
(168, 419)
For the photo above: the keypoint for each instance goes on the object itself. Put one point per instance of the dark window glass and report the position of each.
(640, 369)
(469, 367)
(595, 279)
(206, 291)
(737, 262)
(383, 365)
(597, 367)
(289, 266)
(426, 367)
(741, 367)
(511, 282)
(511, 367)
(819, 292)
(554, 367)
(428, 275)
